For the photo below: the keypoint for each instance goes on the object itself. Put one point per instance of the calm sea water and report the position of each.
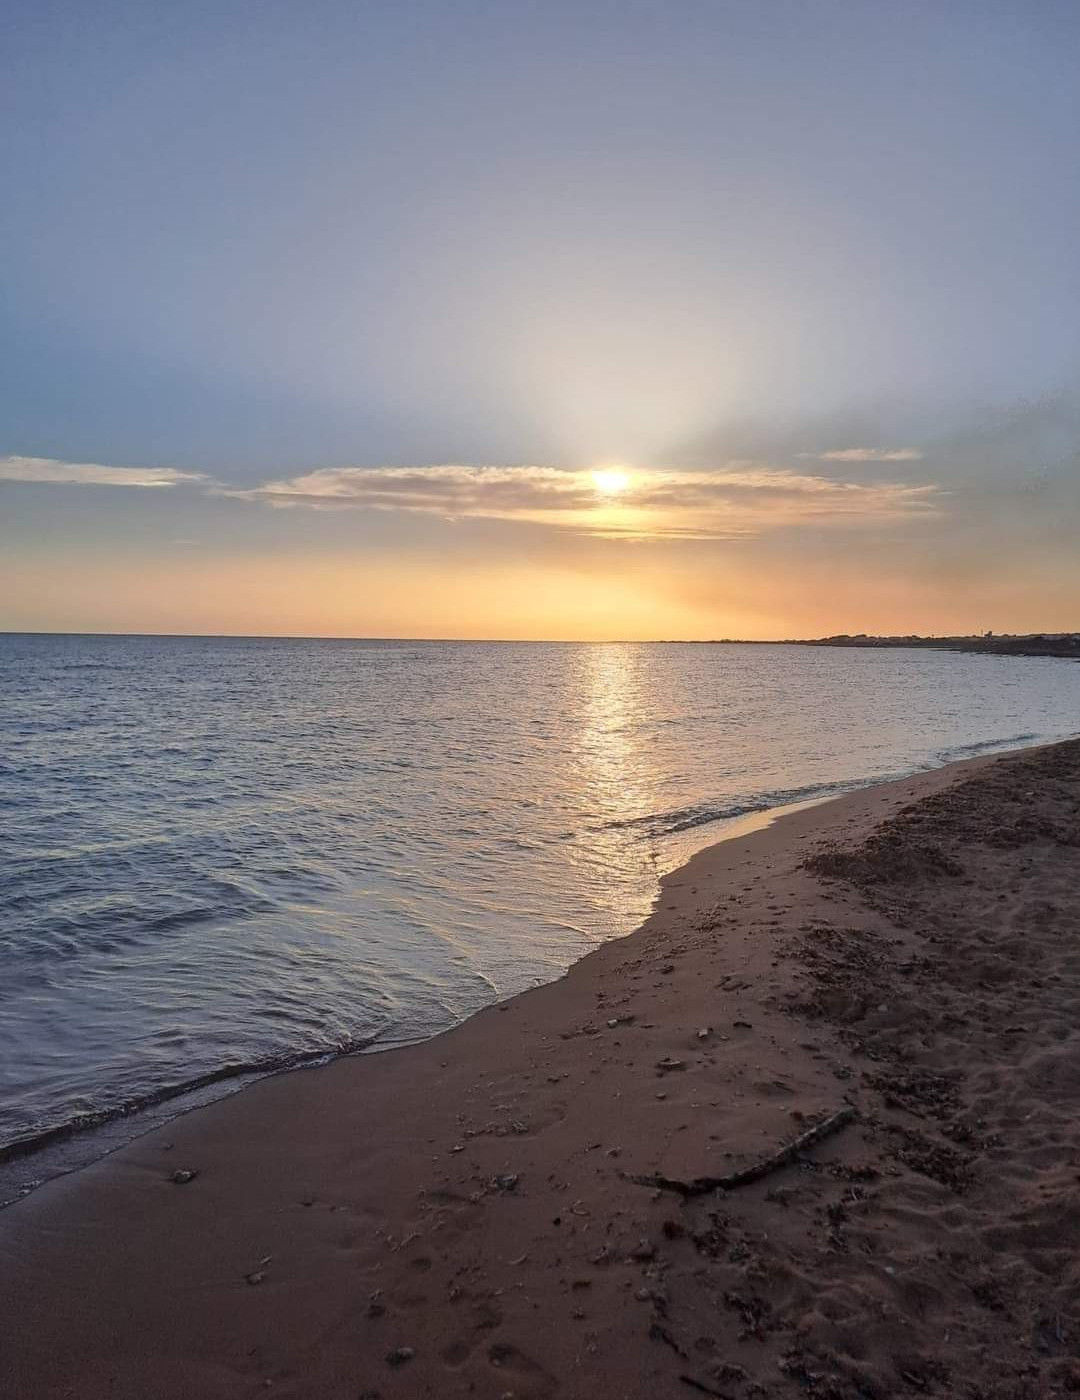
(219, 852)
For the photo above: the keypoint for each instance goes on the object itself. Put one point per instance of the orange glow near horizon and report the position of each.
(560, 589)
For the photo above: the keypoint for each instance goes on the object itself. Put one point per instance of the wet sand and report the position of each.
(477, 1215)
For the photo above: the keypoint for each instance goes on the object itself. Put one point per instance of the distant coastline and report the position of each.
(1062, 644)
(1034, 644)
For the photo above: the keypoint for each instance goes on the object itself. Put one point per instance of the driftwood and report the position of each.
(704, 1388)
(702, 1185)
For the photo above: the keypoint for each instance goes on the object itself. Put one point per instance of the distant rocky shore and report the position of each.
(1005, 644)
(1033, 644)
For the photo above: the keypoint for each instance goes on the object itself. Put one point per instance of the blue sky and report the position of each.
(252, 242)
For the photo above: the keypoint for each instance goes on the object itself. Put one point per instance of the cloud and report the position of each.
(733, 501)
(867, 454)
(729, 502)
(48, 470)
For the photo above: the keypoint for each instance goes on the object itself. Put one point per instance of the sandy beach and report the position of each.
(529, 1205)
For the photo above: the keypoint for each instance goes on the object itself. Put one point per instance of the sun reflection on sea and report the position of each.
(615, 763)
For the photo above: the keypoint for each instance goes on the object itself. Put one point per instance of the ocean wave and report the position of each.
(962, 751)
(680, 819)
(257, 1068)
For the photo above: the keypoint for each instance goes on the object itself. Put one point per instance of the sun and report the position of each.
(611, 481)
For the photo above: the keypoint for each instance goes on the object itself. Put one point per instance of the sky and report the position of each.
(570, 320)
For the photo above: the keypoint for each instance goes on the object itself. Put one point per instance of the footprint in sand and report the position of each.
(524, 1369)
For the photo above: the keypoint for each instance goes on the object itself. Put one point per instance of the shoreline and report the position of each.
(469, 1199)
(72, 1147)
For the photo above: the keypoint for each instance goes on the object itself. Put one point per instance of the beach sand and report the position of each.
(462, 1218)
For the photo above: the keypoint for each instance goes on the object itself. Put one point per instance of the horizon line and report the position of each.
(550, 641)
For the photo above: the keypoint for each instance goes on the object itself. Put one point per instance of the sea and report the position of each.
(221, 857)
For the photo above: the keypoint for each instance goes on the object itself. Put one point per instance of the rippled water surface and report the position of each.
(224, 852)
